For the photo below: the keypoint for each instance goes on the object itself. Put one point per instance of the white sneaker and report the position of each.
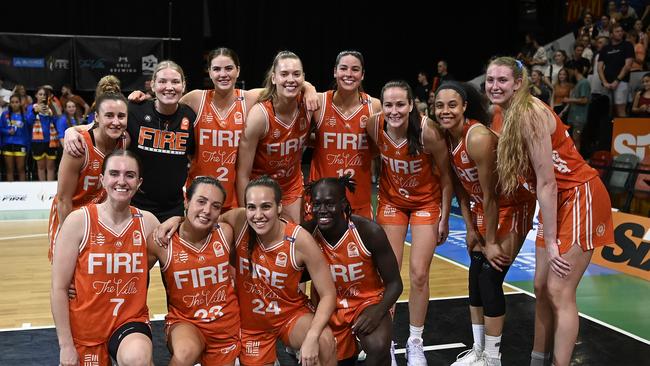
(492, 361)
(393, 361)
(361, 356)
(469, 357)
(415, 352)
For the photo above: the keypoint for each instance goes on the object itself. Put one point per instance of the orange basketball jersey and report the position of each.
(110, 278)
(89, 188)
(342, 147)
(199, 285)
(269, 296)
(467, 173)
(406, 181)
(280, 150)
(217, 138)
(353, 271)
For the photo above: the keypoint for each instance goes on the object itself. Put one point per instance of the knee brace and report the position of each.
(477, 260)
(490, 284)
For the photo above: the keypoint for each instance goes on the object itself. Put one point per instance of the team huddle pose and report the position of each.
(237, 246)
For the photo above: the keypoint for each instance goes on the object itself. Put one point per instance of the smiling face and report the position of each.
(450, 109)
(328, 206)
(396, 106)
(349, 73)
(288, 77)
(204, 207)
(262, 211)
(168, 86)
(121, 178)
(500, 84)
(223, 72)
(112, 118)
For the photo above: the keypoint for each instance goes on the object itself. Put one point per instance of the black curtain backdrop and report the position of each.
(398, 39)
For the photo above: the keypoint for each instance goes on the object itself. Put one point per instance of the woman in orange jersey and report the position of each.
(275, 134)
(364, 270)
(574, 203)
(410, 190)
(78, 182)
(342, 146)
(202, 323)
(221, 113)
(271, 255)
(102, 250)
(502, 222)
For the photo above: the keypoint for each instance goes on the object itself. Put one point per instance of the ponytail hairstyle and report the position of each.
(270, 89)
(107, 84)
(263, 181)
(205, 179)
(352, 53)
(522, 112)
(222, 51)
(476, 104)
(414, 130)
(341, 183)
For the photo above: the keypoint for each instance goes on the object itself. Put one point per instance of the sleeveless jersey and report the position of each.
(353, 271)
(89, 188)
(342, 147)
(269, 296)
(110, 278)
(279, 152)
(406, 181)
(467, 173)
(199, 285)
(217, 138)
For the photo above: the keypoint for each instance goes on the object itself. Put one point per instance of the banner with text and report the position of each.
(631, 253)
(132, 60)
(631, 136)
(19, 196)
(34, 60)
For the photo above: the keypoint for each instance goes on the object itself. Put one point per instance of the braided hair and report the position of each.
(341, 183)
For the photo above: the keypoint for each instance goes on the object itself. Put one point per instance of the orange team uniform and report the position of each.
(89, 188)
(279, 151)
(408, 188)
(200, 291)
(269, 298)
(111, 281)
(341, 148)
(515, 212)
(583, 204)
(358, 285)
(217, 138)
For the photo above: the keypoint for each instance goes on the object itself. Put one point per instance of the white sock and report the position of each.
(478, 331)
(492, 345)
(415, 332)
(539, 358)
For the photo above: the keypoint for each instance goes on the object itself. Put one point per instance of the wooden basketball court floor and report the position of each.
(25, 318)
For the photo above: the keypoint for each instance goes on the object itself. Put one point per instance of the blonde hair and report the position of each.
(524, 115)
(108, 84)
(168, 64)
(270, 89)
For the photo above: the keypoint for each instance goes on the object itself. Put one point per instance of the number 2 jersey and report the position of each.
(199, 285)
(216, 139)
(110, 278)
(269, 296)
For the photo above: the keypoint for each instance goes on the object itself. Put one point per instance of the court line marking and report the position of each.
(597, 321)
(22, 220)
(22, 236)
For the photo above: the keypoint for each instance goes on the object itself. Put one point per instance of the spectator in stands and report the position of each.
(641, 103)
(69, 118)
(443, 74)
(15, 137)
(639, 50)
(538, 87)
(588, 27)
(559, 58)
(578, 56)
(587, 51)
(614, 64)
(82, 107)
(578, 101)
(25, 99)
(628, 16)
(594, 79)
(423, 88)
(148, 92)
(561, 90)
(638, 28)
(5, 95)
(604, 27)
(533, 55)
(42, 117)
(614, 14)
(54, 101)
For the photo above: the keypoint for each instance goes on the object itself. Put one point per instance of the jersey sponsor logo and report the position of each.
(201, 258)
(276, 133)
(464, 158)
(118, 244)
(345, 159)
(91, 359)
(273, 278)
(202, 277)
(185, 124)
(302, 123)
(209, 118)
(281, 259)
(559, 163)
(217, 247)
(600, 229)
(363, 121)
(90, 181)
(331, 121)
(226, 350)
(147, 118)
(239, 118)
(95, 164)
(115, 262)
(345, 141)
(138, 215)
(403, 166)
(98, 239)
(219, 138)
(288, 147)
(181, 257)
(347, 273)
(353, 250)
(389, 211)
(423, 214)
(252, 348)
(467, 174)
(137, 238)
